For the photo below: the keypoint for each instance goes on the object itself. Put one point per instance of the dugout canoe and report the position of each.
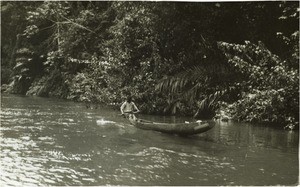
(173, 128)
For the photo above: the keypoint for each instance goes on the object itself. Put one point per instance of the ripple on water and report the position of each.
(20, 171)
(152, 160)
(14, 112)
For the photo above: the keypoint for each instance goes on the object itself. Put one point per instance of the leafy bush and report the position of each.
(270, 85)
(80, 88)
(22, 76)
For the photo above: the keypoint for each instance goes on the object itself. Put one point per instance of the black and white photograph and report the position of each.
(149, 93)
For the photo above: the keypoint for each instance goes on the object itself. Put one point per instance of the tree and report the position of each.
(269, 86)
(13, 22)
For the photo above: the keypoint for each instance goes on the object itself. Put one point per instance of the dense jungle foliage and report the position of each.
(236, 60)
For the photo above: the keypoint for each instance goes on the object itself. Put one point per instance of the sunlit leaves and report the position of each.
(271, 80)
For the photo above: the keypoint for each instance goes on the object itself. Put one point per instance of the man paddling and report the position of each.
(129, 107)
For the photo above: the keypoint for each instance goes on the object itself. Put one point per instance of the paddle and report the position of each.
(130, 112)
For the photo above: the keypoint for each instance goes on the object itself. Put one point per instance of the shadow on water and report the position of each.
(56, 142)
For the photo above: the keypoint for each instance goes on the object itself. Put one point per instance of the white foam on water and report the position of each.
(104, 122)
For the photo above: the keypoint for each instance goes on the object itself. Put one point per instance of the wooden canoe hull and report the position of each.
(173, 128)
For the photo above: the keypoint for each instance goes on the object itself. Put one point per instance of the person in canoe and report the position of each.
(129, 107)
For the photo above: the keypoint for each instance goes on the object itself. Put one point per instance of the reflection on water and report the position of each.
(54, 142)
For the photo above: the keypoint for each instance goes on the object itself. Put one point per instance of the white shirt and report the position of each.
(128, 107)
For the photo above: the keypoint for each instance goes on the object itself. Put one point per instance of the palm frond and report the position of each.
(182, 81)
(190, 85)
(207, 106)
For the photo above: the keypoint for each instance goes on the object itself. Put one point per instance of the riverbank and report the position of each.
(225, 113)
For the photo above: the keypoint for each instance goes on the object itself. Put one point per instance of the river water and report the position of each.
(56, 142)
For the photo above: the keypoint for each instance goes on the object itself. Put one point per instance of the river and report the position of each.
(52, 142)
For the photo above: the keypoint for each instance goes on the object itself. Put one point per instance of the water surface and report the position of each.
(56, 142)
